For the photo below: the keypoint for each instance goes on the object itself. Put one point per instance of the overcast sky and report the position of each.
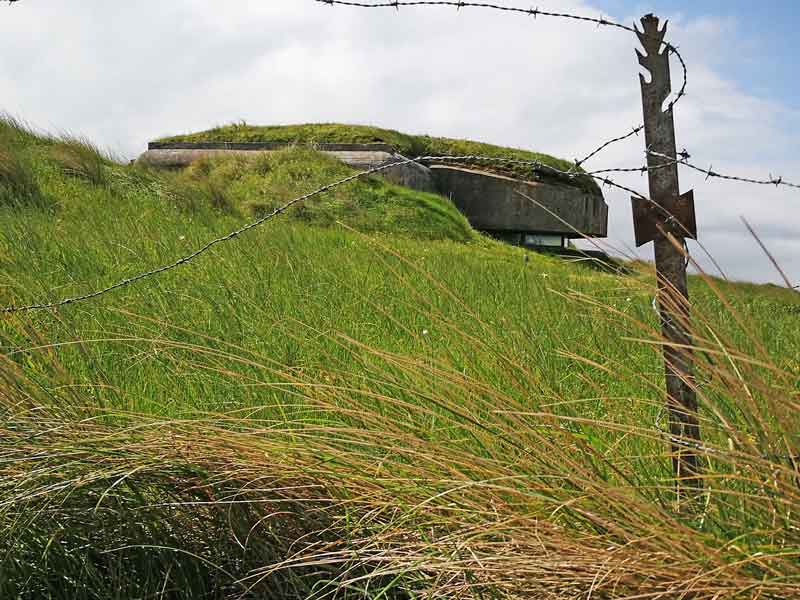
(122, 73)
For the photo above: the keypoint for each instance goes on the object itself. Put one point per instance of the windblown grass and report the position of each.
(18, 187)
(312, 412)
(80, 158)
(409, 479)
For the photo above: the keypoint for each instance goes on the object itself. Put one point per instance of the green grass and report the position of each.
(258, 186)
(408, 145)
(363, 397)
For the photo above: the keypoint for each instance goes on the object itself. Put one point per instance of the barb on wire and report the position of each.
(683, 159)
(643, 169)
(536, 12)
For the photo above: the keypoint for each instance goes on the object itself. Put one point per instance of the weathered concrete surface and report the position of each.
(183, 157)
(413, 175)
(264, 146)
(179, 158)
(493, 203)
(490, 202)
(359, 156)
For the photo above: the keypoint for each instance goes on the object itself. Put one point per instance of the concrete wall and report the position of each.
(490, 202)
(495, 203)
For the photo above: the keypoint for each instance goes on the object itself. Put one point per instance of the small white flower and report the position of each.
(181, 237)
(424, 332)
(545, 275)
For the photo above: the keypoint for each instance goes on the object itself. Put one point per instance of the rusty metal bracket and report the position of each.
(651, 220)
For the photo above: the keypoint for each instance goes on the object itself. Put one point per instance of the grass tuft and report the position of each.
(79, 158)
(14, 132)
(18, 184)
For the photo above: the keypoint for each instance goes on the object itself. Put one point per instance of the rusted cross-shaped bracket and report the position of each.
(651, 220)
(666, 211)
(667, 218)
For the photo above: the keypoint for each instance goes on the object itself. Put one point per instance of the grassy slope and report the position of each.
(408, 145)
(292, 325)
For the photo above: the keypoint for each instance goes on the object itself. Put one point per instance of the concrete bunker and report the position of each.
(525, 213)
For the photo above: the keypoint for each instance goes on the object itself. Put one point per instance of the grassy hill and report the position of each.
(408, 145)
(362, 399)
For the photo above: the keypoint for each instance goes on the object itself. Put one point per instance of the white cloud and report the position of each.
(123, 73)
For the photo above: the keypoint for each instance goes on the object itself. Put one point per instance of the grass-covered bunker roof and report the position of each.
(408, 145)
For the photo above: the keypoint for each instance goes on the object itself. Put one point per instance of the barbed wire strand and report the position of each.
(683, 159)
(687, 443)
(634, 132)
(205, 247)
(536, 12)
(533, 12)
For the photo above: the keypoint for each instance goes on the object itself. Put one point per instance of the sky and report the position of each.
(123, 73)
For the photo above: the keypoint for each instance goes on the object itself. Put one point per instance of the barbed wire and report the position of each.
(599, 176)
(542, 166)
(205, 247)
(533, 12)
(677, 440)
(643, 169)
(634, 132)
(686, 443)
(683, 159)
(536, 12)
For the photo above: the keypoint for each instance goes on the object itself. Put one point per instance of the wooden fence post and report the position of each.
(667, 218)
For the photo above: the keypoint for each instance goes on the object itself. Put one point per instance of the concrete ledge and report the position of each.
(267, 146)
(177, 158)
(359, 156)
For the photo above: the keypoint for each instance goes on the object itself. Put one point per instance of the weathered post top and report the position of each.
(659, 126)
(671, 212)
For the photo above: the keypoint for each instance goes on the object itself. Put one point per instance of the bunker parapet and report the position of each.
(527, 213)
